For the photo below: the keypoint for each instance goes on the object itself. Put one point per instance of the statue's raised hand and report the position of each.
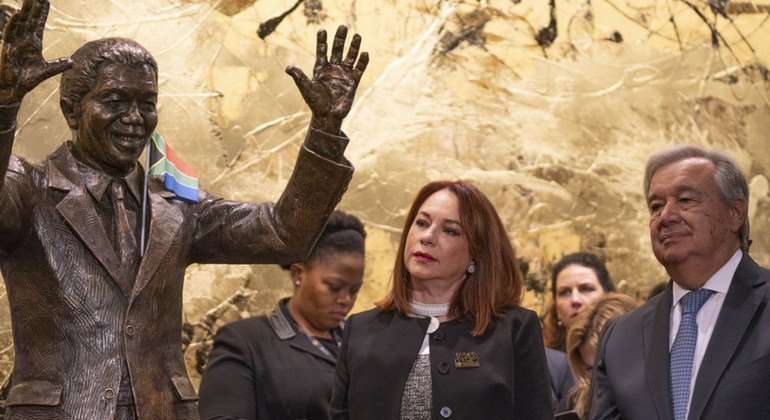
(22, 66)
(330, 92)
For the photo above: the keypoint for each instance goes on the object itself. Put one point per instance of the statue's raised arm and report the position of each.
(22, 67)
(330, 92)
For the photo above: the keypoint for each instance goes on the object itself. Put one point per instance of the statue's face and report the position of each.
(116, 118)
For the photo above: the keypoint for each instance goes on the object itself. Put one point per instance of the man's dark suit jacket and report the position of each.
(631, 375)
(510, 380)
(72, 321)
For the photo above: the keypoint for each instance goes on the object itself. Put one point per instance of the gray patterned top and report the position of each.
(417, 401)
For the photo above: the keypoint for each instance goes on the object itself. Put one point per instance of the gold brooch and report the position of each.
(466, 360)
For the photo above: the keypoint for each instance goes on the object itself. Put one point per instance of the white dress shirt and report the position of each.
(707, 316)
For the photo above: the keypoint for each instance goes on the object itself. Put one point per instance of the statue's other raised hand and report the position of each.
(22, 66)
(330, 93)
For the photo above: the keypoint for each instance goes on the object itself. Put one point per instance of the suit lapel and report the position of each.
(77, 208)
(655, 332)
(738, 309)
(165, 222)
(302, 342)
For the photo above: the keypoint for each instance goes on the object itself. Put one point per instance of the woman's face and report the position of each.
(576, 287)
(327, 289)
(436, 246)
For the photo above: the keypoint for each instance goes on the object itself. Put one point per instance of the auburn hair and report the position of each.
(497, 281)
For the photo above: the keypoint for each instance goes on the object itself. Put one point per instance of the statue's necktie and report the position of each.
(683, 350)
(123, 235)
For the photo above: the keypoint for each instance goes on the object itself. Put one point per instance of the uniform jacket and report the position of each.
(379, 348)
(631, 377)
(71, 319)
(263, 368)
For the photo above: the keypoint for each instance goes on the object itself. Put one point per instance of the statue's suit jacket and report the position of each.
(631, 374)
(72, 321)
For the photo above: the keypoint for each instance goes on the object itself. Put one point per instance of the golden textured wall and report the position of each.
(550, 107)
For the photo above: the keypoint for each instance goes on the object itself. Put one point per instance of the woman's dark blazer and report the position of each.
(507, 380)
(263, 368)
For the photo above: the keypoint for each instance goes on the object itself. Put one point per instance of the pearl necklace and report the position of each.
(429, 309)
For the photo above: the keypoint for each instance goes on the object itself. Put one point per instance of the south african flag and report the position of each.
(178, 176)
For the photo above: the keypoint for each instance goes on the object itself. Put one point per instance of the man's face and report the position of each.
(116, 118)
(690, 226)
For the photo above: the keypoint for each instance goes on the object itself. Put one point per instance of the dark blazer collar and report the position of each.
(279, 320)
(286, 329)
(283, 325)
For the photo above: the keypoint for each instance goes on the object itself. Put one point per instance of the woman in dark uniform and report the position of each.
(281, 365)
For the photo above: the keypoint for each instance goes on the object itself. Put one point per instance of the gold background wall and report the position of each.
(551, 107)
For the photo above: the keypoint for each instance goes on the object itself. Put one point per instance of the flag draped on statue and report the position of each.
(178, 176)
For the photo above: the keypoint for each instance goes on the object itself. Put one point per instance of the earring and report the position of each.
(472, 268)
(296, 282)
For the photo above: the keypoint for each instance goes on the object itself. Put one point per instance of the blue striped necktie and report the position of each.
(683, 350)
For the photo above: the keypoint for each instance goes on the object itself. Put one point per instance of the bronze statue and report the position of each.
(96, 327)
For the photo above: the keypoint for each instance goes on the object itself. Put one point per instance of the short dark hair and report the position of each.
(729, 178)
(86, 61)
(586, 259)
(343, 234)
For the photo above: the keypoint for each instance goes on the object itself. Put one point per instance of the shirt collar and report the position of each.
(97, 181)
(719, 282)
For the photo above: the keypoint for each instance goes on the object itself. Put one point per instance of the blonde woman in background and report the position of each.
(582, 340)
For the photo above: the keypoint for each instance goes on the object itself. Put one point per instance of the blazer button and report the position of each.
(438, 336)
(109, 393)
(445, 412)
(443, 368)
(130, 330)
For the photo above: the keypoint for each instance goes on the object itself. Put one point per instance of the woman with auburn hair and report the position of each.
(449, 339)
(582, 340)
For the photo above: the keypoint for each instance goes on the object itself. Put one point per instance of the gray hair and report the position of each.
(82, 77)
(729, 178)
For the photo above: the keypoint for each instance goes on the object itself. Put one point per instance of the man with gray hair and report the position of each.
(700, 349)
